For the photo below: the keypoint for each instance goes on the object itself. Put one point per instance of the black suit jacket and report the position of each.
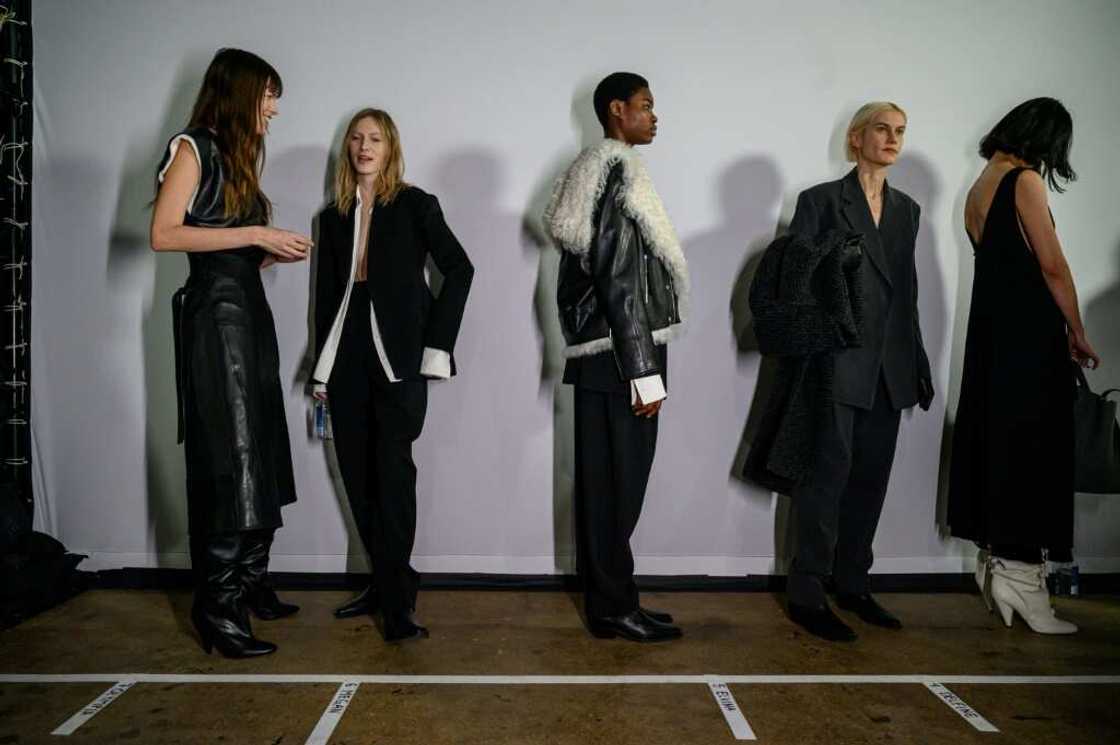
(892, 336)
(401, 236)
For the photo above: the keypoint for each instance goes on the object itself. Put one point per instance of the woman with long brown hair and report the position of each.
(380, 334)
(209, 205)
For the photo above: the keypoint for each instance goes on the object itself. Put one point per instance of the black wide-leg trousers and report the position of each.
(614, 453)
(375, 423)
(837, 506)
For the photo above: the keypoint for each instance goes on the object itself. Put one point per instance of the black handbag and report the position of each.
(1096, 439)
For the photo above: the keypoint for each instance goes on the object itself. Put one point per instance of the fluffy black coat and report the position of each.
(806, 303)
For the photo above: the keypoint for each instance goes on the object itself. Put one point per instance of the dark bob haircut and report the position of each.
(1040, 132)
(618, 86)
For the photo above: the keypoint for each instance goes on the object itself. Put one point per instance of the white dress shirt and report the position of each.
(436, 362)
(647, 390)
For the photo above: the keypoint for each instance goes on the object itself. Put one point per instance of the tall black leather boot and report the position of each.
(259, 595)
(219, 613)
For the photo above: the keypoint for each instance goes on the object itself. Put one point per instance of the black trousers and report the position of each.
(375, 423)
(614, 453)
(837, 506)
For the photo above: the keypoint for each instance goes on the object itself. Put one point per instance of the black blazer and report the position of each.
(892, 337)
(401, 236)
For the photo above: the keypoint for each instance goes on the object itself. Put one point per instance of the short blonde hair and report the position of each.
(391, 179)
(864, 116)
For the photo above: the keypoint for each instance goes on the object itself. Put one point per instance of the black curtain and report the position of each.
(16, 86)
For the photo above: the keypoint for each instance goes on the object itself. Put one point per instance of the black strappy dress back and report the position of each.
(1011, 478)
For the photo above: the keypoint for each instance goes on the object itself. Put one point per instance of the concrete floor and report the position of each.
(540, 633)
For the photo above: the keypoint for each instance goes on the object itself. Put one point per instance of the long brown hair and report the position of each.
(229, 103)
(391, 179)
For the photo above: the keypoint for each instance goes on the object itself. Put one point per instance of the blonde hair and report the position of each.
(863, 117)
(391, 179)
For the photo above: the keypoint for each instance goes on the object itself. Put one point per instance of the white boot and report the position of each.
(1020, 588)
(984, 577)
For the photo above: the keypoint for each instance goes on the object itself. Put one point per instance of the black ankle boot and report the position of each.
(219, 613)
(260, 598)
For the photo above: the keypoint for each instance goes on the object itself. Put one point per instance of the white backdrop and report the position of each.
(492, 98)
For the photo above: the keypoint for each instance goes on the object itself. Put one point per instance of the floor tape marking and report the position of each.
(731, 712)
(71, 725)
(333, 714)
(954, 702)
(775, 679)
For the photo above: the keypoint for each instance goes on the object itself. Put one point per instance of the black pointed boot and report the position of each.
(219, 613)
(260, 598)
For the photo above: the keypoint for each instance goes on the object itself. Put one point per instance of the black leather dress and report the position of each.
(231, 406)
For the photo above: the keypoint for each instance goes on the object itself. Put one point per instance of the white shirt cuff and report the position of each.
(647, 390)
(436, 363)
(317, 388)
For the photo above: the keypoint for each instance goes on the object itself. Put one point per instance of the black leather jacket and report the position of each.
(619, 290)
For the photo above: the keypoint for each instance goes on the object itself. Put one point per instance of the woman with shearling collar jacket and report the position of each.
(380, 335)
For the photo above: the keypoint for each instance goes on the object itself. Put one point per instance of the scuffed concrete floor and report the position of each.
(540, 633)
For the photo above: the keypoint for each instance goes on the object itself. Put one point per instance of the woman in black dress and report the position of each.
(231, 408)
(1011, 483)
(380, 335)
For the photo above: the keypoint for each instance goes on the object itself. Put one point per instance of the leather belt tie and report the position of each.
(177, 302)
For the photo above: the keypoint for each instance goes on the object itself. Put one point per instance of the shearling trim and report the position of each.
(588, 348)
(569, 217)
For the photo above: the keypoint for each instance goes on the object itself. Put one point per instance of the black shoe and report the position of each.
(634, 626)
(266, 605)
(868, 610)
(219, 613)
(657, 615)
(401, 626)
(260, 598)
(362, 604)
(821, 622)
(233, 637)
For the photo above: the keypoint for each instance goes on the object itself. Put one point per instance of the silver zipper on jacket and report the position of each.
(645, 275)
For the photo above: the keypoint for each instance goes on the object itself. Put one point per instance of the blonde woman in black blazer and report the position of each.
(380, 334)
(837, 506)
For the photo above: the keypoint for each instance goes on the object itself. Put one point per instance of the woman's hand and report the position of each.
(1082, 352)
(285, 245)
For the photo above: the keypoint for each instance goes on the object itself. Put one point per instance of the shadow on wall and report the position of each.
(750, 190)
(289, 183)
(956, 340)
(916, 176)
(470, 183)
(292, 186)
(535, 241)
(129, 245)
(551, 339)
(1101, 316)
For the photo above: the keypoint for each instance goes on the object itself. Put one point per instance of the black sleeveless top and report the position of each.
(231, 404)
(1011, 477)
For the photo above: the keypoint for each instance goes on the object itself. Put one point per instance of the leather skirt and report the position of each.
(231, 405)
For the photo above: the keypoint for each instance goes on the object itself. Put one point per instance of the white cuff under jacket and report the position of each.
(436, 364)
(647, 390)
